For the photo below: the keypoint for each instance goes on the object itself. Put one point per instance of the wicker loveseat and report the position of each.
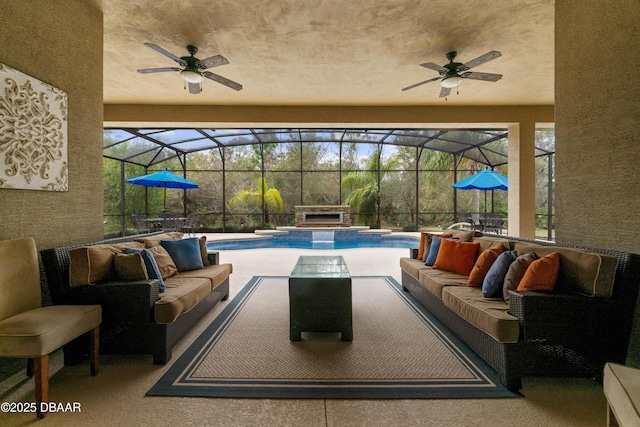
(138, 317)
(573, 330)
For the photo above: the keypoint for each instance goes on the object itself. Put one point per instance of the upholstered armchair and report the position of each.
(28, 330)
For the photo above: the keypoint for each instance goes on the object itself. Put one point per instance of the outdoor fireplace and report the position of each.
(323, 216)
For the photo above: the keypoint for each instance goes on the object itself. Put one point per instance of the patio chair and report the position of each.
(187, 225)
(141, 223)
(492, 223)
(466, 217)
(171, 222)
(28, 330)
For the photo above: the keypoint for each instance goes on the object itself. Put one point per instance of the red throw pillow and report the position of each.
(483, 264)
(456, 256)
(541, 274)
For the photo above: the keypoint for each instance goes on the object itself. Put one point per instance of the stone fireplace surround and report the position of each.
(323, 216)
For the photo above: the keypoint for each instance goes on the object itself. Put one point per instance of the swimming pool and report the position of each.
(311, 239)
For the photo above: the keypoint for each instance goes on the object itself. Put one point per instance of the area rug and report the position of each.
(399, 350)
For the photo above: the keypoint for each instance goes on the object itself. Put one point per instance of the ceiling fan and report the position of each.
(192, 70)
(451, 74)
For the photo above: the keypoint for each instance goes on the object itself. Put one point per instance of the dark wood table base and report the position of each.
(320, 297)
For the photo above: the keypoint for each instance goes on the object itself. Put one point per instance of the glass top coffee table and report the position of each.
(320, 297)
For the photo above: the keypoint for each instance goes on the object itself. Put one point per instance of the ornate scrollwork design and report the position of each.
(33, 133)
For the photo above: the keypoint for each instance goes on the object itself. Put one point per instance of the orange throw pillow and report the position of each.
(483, 264)
(541, 274)
(425, 243)
(456, 256)
(423, 238)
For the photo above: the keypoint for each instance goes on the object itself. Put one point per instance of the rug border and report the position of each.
(489, 388)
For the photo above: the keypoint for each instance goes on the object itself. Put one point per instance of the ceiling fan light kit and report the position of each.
(452, 74)
(451, 82)
(191, 76)
(193, 69)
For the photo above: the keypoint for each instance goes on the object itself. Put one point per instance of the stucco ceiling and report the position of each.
(330, 52)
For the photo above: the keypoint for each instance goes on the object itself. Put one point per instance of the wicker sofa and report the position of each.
(571, 331)
(137, 316)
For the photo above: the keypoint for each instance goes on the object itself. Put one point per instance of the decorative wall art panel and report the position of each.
(33, 133)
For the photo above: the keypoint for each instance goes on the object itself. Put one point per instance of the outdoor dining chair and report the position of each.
(141, 223)
(492, 223)
(468, 218)
(187, 225)
(171, 221)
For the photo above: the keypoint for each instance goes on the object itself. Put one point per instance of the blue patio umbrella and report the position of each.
(484, 180)
(163, 179)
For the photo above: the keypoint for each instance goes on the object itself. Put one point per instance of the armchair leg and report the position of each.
(29, 368)
(39, 368)
(41, 376)
(94, 350)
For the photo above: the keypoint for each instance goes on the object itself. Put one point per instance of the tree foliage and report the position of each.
(264, 195)
(365, 192)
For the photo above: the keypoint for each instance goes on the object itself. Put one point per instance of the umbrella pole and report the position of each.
(485, 201)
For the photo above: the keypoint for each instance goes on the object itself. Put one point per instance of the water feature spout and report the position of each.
(322, 236)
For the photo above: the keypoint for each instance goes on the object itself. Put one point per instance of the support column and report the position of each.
(522, 189)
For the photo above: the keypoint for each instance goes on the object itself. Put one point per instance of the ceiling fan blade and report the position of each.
(435, 67)
(213, 61)
(421, 83)
(488, 77)
(166, 53)
(158, 70)
(482, 59)
(222, 80)
(195, 88)
(444, 92)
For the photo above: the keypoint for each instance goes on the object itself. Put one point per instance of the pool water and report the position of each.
(304, 239)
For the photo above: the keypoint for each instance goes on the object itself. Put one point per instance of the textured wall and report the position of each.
(59, 42)
(597, 123)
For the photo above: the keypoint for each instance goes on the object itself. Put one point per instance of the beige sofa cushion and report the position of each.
(215, 273)
(588, 273)
(154, 240)
(464, 235)
(93, 264)
(40, 331)
(19, 270)
(413, 266)
(489, 242)
(435, 280)
(488, 314)
(166, 266)
(130, 266)
(180, 296)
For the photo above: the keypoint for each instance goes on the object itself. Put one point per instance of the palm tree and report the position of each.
(264, 196)
(365, 194)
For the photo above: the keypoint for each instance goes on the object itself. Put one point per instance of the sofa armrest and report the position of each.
(214, 257)
(564, 318)
(122, 302)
